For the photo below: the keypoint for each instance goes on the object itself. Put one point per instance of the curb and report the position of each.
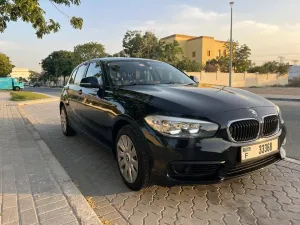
(32, 102)
(292, 160)
(85, 214)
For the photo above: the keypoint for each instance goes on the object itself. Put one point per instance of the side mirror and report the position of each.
(89, 82)
(194, 78)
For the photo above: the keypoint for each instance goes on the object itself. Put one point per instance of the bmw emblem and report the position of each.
(253, 112)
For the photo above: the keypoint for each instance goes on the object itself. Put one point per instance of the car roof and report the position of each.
(116, 59)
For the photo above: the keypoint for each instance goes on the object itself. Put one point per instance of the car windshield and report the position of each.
(145, 72)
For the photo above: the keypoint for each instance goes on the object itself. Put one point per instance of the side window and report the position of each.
(79, 74)
(72, 77)
(95, 70)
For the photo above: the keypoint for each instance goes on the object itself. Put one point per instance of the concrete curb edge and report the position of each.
(85, 214)
(32, 102)
(292, 160)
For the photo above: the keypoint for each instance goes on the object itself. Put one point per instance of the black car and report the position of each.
(164, 127)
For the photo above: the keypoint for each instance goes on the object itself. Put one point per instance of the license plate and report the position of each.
(254, 151)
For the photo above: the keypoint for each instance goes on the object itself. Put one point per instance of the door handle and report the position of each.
(80, 92)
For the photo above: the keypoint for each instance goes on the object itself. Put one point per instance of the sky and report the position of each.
(271, 28)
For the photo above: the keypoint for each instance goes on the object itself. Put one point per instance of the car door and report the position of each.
(94, 109)
(74, 94)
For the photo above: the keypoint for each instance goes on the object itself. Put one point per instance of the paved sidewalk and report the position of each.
(268, 196)
(30, 191)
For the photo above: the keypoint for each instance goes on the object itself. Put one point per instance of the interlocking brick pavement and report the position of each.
(268, 196)
(29, 193)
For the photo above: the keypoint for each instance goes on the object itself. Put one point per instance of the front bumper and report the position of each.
(203, 161)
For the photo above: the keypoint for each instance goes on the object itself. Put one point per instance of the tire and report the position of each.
(17, 88)
(65, 126)
(142, 178)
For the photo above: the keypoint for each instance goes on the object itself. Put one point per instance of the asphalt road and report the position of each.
(49, 91)
(290, 111)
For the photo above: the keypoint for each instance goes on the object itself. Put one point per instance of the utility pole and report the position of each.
(230, 64)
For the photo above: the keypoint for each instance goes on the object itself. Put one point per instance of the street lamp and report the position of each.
(230, 64)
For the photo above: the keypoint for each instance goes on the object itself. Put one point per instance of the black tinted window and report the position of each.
(80, 74)
(145, 72)
(72, 77)
(95, 70)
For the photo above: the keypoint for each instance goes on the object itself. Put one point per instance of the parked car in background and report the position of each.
(162, 126)
(36, 84)
(9, 83)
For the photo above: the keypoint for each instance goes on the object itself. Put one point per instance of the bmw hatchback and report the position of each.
(164, 127)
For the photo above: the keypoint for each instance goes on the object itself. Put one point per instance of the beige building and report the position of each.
(200, 48)
(20, 72)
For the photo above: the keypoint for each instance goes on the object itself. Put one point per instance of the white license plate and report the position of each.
(254, 151)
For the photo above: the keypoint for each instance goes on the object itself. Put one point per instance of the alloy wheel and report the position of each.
(63, 120)
(127, 159)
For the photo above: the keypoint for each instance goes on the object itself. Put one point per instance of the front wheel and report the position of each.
(17, 88)
(133, 159)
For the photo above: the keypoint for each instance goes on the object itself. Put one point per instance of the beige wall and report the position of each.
(194, 45)
(240, 79)
(200, 45)
(212, 45)
(20, 72)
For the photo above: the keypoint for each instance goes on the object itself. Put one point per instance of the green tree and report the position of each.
(211, 65)
(189, 65)
(88, 51)
(34, 76)
(240, 59)
(30, 11)
(147, 45)
(242, 62)
(58, 63)
(5, 65)
(270, 67)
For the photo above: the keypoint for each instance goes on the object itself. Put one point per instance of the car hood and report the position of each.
(203, 100)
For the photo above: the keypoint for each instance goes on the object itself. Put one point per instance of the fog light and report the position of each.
(284, 142)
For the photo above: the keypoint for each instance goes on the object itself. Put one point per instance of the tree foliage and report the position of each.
(33, 76)
(270, 67)
(188, 65)
(30, 11)
(59, 63)
(88, 51)
(147, 45)
(240, 59)
(5, 65)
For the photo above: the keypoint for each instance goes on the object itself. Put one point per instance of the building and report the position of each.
(200, 49)
(294, 71)
(20, 72)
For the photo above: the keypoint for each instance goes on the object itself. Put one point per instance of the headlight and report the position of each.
(280, 115)
(181, 127)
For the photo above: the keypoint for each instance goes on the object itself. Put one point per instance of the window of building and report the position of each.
(80, 74)
(194, 54)
(219, 53)
(224, 52)
(208, 53)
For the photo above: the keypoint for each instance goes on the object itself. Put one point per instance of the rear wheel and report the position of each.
(65, 126)
(132, 157)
